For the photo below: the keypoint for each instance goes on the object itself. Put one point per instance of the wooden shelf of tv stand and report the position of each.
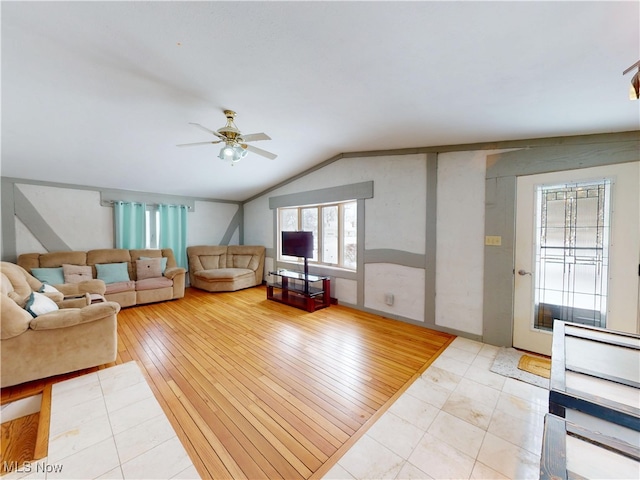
(293, 289)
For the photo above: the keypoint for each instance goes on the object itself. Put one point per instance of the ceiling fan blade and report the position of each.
(213, 132)
(259, 151)
(198, 143)
(254, 137)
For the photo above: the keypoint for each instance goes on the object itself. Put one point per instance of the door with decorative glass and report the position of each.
(577, 252)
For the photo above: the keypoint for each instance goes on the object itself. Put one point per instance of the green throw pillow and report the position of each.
(113, 272)
(52, 276)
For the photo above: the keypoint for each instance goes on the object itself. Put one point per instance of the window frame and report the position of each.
(319, 239)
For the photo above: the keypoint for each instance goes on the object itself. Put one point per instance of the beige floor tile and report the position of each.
(482, 472)
(442, 377)
(456, 432)
(187, 474)
(411, 472)
(416, 411)
(65, 420)
(485, 377)
(451, 365)
(489, 351)
(127, 396)
(162, 462)
(134, 414)
(91, 462)
(397, 434)
(478, 392)
(428, 392)
(79, 438)
(458, 354)
(471, 410)
(508, 459)
(115, 474)
(467, 344)
(143, 437)
(523, 433)
(440, 460)
(369, 459)
(118, 378)
(337, 472)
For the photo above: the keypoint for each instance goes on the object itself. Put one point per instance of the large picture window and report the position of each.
(335, 232)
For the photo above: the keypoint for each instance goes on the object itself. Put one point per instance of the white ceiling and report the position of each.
(100, 93)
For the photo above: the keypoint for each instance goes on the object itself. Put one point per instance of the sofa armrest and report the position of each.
(170, 273)
(88, 286)
(68, 317)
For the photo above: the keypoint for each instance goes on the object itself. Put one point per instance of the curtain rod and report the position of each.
(111, 202)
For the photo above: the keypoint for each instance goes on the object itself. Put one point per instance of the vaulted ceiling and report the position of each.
(100, 93)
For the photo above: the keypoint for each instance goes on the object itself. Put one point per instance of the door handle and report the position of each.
(523, 272)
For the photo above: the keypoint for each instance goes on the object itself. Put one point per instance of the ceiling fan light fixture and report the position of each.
(634, 88)
(232, 153)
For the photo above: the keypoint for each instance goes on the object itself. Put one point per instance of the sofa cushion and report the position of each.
(52, 275)
(120, 287)
(113, 272)
(163, 262)
(210, 261)
(39, 304)
(148, 268)
(153, 283)
(222, 274)
(76, 273)
(58, 259)
(241, 261)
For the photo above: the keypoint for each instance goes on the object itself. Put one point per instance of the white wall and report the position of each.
(208, 223)
(460, 240)
(77, 217)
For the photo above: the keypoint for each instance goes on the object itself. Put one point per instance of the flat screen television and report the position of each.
(297, 244)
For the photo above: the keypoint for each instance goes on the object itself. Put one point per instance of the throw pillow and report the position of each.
(46, 288)
(162, 259)
(76, 273)
(113, 272)
(151, 268)
(52, 276)
(39, 304)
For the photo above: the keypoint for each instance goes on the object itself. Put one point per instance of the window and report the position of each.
(572, 253)
(152, 227)
(335, 232)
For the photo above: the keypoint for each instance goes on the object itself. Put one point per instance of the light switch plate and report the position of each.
(493, 240)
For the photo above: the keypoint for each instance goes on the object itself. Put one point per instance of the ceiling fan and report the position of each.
(235, 142)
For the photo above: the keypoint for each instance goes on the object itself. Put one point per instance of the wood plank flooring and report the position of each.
(256, 389)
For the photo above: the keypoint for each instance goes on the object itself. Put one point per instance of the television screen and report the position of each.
(297, 244)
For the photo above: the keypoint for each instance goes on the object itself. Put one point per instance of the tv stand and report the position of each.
(300, 290)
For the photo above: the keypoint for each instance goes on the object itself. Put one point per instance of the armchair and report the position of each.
(52, 340)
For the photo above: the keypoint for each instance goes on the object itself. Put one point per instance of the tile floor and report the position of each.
(459, 420)
(108, 425)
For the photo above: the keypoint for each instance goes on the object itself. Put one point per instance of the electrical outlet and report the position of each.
(388, 299)
(493, 240)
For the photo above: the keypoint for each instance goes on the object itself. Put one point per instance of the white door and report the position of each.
(577, 252)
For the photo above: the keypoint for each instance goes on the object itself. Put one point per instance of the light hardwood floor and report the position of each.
(256, 389)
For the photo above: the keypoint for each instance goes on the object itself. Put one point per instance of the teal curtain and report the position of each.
(130, 223)
(173, 231)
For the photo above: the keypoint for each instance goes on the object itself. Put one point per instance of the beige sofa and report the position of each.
(57, 340)
(129, 288)
(225, 268)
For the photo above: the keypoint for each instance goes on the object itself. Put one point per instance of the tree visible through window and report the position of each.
(334, 227)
